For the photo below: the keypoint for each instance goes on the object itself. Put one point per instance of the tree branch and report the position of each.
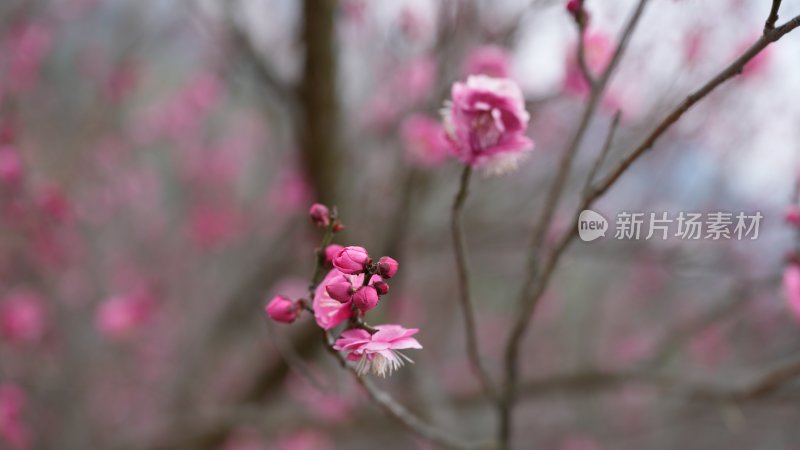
(528, 296)
(769, 25)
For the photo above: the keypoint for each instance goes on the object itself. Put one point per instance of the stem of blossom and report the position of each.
(612, 130)
(462, 270)
(587, 74)
(319, 262)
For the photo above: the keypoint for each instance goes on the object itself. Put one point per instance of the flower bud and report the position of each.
(282, 309)
(365, 298)
(338, 226)
(573, 6)
(320, 215)
(330, 252)
(341, 292)
(381, 287)
(792, 215)
(351, 260)
(387, 267)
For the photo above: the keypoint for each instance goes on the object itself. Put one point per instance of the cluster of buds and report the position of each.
(357, 266)
(353, 285)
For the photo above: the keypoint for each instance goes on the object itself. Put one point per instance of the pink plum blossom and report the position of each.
(488, 60)
(12, 405)
(303, 440)
(122, 315)
(792, 215)
(11, 170)
(378, 353)
(424, 141)
(23, 317)
(598, 51)
(791, 287)
(330, 312)
(486, 122)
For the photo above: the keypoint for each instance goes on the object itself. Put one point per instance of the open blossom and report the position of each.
(329, 311)
(11, 170)
(791, 287)
(792, 215)
(121, 316)
(13, 430)
(22, 317)
(351, 260)
(486, 121)
(378, 353)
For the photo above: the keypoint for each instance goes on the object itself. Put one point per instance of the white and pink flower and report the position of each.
(378, 353)
(486, 121)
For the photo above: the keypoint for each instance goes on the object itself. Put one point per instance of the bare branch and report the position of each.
(734, 297)
(773, 16)
(529, 297)
(467, 304)
(283, 91)
(581, 51)
(612, 129)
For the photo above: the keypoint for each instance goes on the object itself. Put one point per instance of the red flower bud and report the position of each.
(387, 267)
(320, 215)
(381, 287)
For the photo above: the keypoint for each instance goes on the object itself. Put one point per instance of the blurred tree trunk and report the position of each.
(318, 131)
(318, 136)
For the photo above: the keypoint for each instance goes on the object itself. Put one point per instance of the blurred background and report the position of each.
(157, 162)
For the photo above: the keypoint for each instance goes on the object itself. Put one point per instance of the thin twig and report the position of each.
(769, 25)
(527, 298)
(467, 304)
(279, 88)
(601, 158)
(584, 67)
(592, 380)
(734, 297)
